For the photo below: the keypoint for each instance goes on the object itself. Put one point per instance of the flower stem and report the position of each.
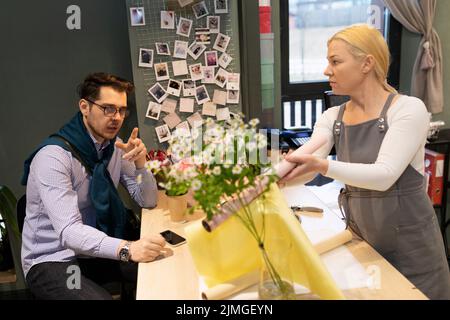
(248, 220)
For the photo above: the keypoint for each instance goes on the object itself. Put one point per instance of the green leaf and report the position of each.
(7, 209)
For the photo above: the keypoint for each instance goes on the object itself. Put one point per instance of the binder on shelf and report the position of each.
(434, 169)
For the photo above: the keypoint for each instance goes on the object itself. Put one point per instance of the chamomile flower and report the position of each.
(154, 165)
(236, 170)
(196, 185)
(216, 171)
(253, 122)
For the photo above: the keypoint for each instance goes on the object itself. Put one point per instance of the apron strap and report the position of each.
(344, 207)
(337, 126)
(382, 120)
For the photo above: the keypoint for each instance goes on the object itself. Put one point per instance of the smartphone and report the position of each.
(172, 238)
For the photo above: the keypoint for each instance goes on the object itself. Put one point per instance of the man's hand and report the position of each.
(134, 149)
(147, 249)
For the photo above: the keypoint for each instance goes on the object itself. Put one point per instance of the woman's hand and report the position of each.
(306, 163)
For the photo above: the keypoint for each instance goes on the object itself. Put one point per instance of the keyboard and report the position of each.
(302, 140)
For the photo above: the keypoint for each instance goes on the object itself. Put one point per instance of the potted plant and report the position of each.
(156, 160)
(7, 218)
(175, 180)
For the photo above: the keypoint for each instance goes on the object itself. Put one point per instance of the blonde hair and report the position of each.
(364, 40)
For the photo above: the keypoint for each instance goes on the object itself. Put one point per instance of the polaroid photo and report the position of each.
(184, 3)
(169, 105)
(223, 114)
(196, 71)
(179, 68)
(233, 96)
(158, 92)
(211, 59)
(221, 77)
(153, 110)
(200, 10)
(213, 24)
(201, 95)
(172, 120)
(187, 105)
(183, 129)
(202, 36)
(221, 43)
(233, 81)
(225, 60)
(220, 97)
(167, 19)
(184, 27)
(137, 16)
(196, 49)
(209, 109)
(145, 58)
(221, 6)
(189, 88)
(162, 71)
(208, 75)
(174, 88)
(195, 120)
(163, 133)
(180, 49)
(162, 48)
(235, 115)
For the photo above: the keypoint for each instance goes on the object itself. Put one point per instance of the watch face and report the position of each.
(124, 255)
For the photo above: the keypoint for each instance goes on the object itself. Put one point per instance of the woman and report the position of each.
(379, 138)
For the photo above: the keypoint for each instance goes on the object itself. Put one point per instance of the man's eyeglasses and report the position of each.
(111, 111)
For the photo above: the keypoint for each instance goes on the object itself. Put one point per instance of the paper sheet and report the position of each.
(345, 270)
(217, 259)
(328, 194)
(343, 266)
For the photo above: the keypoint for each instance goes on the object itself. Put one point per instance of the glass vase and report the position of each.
(274, 284)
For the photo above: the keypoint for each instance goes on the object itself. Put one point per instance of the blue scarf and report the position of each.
(111, 214)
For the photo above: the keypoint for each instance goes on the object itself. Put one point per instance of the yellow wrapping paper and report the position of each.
(230, 251)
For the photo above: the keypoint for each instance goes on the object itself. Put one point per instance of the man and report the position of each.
(75, 219)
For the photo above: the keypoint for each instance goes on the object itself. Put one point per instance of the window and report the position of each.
(306, 25)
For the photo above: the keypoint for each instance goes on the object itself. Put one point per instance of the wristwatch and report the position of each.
(124, 253)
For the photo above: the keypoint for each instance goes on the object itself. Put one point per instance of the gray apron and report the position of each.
(400, 223)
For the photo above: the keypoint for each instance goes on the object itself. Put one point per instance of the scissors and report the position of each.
(308, 211)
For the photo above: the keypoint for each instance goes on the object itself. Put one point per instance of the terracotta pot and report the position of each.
(177, 206)
(162, 199)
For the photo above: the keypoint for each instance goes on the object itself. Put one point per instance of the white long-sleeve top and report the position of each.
(403, 144)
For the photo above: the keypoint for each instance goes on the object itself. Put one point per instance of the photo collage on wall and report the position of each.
(192, 73)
